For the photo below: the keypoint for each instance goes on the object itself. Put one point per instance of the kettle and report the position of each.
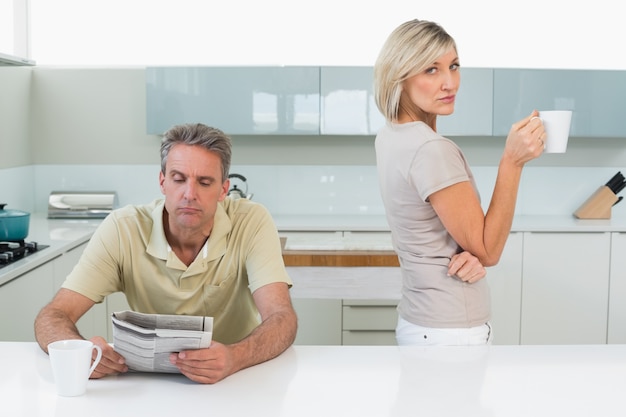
(235, 192)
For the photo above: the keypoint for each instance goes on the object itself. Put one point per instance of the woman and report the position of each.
(432, 204)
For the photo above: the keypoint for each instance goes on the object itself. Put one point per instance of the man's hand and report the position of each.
(276, 333)
(466, 267)
(206, 366)
(111, 363)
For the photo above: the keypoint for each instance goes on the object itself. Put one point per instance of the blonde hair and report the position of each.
(409, 49)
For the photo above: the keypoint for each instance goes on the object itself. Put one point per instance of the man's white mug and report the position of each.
(72, 366)
(556, 124)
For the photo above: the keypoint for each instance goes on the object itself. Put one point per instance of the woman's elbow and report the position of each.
(489, 260)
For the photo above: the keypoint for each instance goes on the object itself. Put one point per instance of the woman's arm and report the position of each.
(458, 206)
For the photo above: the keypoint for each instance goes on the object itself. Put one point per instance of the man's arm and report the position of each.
(273, 336)
(57, 321)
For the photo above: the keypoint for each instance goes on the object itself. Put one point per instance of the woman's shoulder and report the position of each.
(418, 133)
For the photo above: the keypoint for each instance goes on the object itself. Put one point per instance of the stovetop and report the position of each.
(13, 251)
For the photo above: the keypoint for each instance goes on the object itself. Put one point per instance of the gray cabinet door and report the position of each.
(237, 100)
(617, 293)
(473, 111)
(319, 321)
(21, 300)
(347, 101)
(348, 106)
(565, 290)
(597, 99)
(505, 283)
(93, 322)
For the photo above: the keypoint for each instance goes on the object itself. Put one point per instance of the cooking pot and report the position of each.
(14, 224)
(235, 192)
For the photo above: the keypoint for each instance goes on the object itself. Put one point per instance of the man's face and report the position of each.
(192, 186)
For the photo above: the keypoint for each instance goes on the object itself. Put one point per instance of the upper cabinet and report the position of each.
(597, 99)
(237, 100)
(348, 106)
(473, 114)
(340, 100)
(347, 101)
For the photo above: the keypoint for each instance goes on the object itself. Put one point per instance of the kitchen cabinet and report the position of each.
(505, 283)
(237, 100)
(319, 321)
(473, 114)
(93, 322)
(295, 100)
(21, 300)
(369, 322)
(348, 106)
(597, 99)
(617, 290)
(347, 101)
(565, 288)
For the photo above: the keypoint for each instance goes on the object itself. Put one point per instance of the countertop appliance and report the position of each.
(81, 204)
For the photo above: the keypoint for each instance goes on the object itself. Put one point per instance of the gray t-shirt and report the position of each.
(413, 162)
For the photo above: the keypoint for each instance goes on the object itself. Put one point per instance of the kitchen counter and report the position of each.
(371, 223)
(60, 234)
(363, 381)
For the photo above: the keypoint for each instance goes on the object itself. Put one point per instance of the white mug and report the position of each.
(556, 124)
(71, 365)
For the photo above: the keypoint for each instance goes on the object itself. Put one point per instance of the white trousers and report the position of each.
(411, 334)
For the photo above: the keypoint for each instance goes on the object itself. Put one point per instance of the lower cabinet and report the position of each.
(548, 288)
(23, 298)
(93, 322)
(20, 302)
(319, 321)
(505, 284)
(565, 292)
(369, 322)
(332, 321)
(617, 290)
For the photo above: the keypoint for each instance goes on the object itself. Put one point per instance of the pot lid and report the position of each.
(11, 213)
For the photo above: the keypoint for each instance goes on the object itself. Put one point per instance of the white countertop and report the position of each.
(371, 223)
(345, 381)
(60, 235)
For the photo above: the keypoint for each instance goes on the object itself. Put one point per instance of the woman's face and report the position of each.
(434, 90)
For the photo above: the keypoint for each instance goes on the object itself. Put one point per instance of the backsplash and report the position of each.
(300, 189)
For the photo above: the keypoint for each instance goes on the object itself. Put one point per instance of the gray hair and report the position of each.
(197, 134)
(409, 49)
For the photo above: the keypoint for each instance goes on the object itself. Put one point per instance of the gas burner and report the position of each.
(13, 251)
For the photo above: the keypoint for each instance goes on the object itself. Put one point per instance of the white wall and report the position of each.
(489, 33)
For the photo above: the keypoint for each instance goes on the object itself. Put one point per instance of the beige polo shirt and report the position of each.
(129, 253)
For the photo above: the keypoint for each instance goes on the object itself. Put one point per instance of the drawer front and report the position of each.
(369, 317)
(365, 338)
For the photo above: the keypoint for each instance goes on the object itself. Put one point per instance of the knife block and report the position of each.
(598, 205)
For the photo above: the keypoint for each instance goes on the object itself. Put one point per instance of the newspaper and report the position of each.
(146, 340)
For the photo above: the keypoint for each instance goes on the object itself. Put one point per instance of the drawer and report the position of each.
(369, 315)
(367, 338)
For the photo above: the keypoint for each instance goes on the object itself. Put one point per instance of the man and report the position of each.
(195, 252)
